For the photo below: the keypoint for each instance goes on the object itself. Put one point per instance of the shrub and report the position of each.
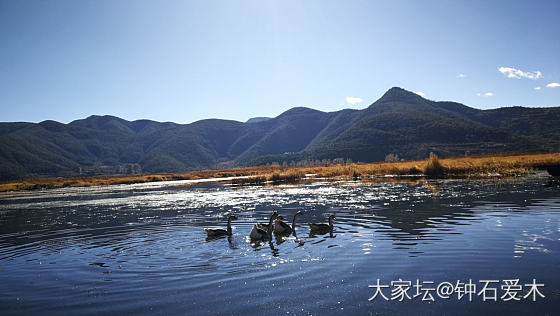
(414, 170)
(434, 168)
(255, 180)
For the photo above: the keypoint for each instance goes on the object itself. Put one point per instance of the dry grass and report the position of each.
(434, 168)
(291, 175)
(469, 166)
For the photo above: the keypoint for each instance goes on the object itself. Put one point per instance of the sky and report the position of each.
(183, 61)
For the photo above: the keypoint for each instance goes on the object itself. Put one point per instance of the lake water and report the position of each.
(141, 249)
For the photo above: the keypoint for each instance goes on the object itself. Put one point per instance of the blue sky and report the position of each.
(184, 60)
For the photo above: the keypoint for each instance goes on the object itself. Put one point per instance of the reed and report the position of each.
(434, 168)
(467, 166)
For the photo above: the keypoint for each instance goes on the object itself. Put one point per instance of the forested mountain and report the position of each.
(400, 123)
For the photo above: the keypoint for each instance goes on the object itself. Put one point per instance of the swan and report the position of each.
(322, 228)
(264, 225)
(217, 232)
(259, 233)
(282, 228)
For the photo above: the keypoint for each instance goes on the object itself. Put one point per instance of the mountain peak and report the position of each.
(396, 94)
(257, 119)
(298, 110)
(103, 122)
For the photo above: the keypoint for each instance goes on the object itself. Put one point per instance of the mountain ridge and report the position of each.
(400, 123)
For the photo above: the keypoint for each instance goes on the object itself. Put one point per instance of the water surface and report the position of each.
(141, 249)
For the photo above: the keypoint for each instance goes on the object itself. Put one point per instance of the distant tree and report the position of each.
(392, 157)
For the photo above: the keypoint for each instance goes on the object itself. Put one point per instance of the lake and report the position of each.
(141, 249)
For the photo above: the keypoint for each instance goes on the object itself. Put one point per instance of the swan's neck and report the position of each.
(294, 222)
(330, 223)
(269, 231)
(229, 226)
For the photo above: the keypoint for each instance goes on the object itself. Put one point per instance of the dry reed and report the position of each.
(468, 166)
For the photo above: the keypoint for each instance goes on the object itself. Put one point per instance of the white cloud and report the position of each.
(420, 93)
(553, 85)
(518, 74)
(487, 94)
(461, 76)
(537, 88)
(353, 100)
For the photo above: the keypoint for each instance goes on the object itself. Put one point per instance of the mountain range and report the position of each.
(400, 124)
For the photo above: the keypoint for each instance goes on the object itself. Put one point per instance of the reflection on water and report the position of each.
(142, 248)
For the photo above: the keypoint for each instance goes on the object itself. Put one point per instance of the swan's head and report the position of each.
(274, 214)
(279, 218)
(332, 216)
(232, 217)
(299, 213)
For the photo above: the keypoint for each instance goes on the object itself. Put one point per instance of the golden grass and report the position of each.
(291, 175)
(468, 166)
(433, 167)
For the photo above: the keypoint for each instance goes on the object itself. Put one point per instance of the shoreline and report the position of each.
(495, 165)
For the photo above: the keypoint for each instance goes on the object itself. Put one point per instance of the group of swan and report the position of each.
(263, 231)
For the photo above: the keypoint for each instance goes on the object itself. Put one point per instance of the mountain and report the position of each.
(257, 119)
(400, 123)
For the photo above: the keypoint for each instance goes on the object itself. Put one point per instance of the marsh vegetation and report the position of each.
(495, 165)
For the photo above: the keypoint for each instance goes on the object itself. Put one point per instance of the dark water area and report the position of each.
(141, 249)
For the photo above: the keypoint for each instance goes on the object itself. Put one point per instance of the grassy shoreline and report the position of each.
(467, 166)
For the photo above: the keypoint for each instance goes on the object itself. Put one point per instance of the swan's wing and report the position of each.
(256, 232)
(317, 226)
(215, 231)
